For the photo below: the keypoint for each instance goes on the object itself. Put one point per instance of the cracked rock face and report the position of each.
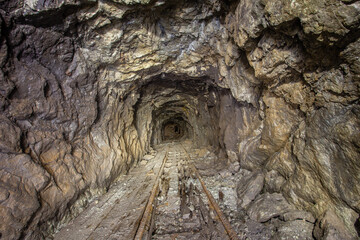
(87, 86)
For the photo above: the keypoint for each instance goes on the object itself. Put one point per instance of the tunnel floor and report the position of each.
(181, 208)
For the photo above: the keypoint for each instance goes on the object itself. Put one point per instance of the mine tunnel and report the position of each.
(216, 119)
(179, 109)
(173, 130)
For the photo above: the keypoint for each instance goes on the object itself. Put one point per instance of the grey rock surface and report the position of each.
(331, 227)
(274, 181)
(298, 215)
(295, 229)
(249, 188)
(267, 206)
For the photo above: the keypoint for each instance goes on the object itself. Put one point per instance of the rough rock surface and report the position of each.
(294, 230)
(331, 227)
(275, 84)
(249, 188)
(268, 206)
(298, 215)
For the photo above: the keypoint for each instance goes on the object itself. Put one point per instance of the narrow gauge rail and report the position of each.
(146, 224)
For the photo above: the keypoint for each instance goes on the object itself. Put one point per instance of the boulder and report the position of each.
(331, 227)
(249, 188)
(9, 136)
(298, 215)
(273, 181)
(267, 206)
(296, 229)
(148, 157)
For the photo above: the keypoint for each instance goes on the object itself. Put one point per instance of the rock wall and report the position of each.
(71, 80)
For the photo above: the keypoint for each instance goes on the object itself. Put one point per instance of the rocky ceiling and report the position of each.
(87, 85)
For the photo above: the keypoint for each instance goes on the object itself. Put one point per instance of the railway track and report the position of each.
(176, 208)
(162, 198)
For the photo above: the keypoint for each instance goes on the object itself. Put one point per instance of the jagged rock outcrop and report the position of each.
(281, 83)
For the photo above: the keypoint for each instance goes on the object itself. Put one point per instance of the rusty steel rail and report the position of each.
(146, 217)
(230, 232)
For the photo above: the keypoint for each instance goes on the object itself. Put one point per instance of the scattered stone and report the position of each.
(273, 181)
(249, 188)
(192, 208)
(298, 215)
(4, 194)
(225, 174)
(331, 227)
(148, 157)
(267, 206)
(234, 167)
(232, 156)
(9, 136)
(296, 229)
(256, 231)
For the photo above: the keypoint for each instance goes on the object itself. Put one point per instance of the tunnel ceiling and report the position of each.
(85, 86)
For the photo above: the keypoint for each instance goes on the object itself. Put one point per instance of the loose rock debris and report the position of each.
(181, 208)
